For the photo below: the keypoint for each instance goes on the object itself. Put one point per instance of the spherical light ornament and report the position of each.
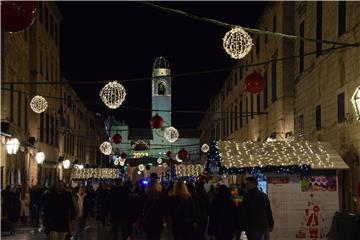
(40, 157)
(205, 148)
(177, 158)
(123, 156)
(156, 121)
(159, 160)
(254, 83)
(237, 43)
(168, 153)
(141, 167)
(183, 154)
(66, 164)
(117, 138)
(113, 94)
(106, 148)
(116, 162)
(122, 163)
(38, 104)
(17, 15)
(171, 134)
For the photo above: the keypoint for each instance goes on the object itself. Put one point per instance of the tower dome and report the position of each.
(161, 67)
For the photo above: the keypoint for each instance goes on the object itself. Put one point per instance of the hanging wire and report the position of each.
(252, 30)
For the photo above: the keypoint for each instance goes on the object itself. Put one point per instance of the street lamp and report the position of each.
(66, 164)
(40, 157)
(12, 146)
(356, 102)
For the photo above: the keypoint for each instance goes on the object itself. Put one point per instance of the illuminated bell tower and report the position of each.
(161, 95)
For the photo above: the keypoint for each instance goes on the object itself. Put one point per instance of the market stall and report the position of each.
(300, 180)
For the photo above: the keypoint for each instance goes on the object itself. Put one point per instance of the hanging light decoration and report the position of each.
(123, 156)
(183, 154)
(156, 121)
(356, 102)
(237, 43)
(254, 83)
(117, 138)
(159, 160)
(66, 164)
(205, 148)
(113, 94)
(116, 162)
(106, 148)
(171, 134)
(38, 104)
(12, 146)
(122, 163)
(177, 158)
(141, 167)
(17, 15)
(40, 157)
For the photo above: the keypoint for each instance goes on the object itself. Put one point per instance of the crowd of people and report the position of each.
(186, 210)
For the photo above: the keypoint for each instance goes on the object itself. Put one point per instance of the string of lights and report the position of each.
(252, 30)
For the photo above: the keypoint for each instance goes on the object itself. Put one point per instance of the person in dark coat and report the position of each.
(58, 211)
(35, 203)
(154, 212)
(182, 212)
(83, 207)
(5, 204)
(201, 202)
(119, 208)
(14, 205)
(257, 211)
(223, 216)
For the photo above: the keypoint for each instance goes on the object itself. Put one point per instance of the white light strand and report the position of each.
(113, 94)
(171, 134)
(237, 43)
(106, 148)
(141, 167)
(38, 104)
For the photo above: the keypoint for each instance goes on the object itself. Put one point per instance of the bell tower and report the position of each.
(161, 90)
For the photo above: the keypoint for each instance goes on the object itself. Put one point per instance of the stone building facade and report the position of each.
(306, 96)
(32, 56)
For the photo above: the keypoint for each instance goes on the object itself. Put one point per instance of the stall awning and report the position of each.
(318, 155)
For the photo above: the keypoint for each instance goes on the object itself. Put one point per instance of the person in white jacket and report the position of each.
(24, 204)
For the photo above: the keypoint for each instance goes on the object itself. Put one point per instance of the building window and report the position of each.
(46, 18)
(266, 91)
(231, 121)
(246, 65)
(318, 28)
(11, 103)
(47, 68)
(235, 78)
(25, 113)
(252, 106)
(56, 133)
(161, 88)
(19, 109)
(301, 48)
(341, 107)
(47, 128)
(51, 26)
(223, 127)
(274, 23)
(41, 62)
(229, 124)
(42, 127)
(241, 72)
(266, 36)
(318, 117)
(273, 81)
(341, 18)
(52, 132)
(41, 11)
(257, 47)
(241, 114)
(301, 124)
(246, 110)
(258, 103)
(235, 118)
(56, 28)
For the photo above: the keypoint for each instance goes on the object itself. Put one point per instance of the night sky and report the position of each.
(103, 41)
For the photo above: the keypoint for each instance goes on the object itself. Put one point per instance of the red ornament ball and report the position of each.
(123, 155)
(183, 154)
(17, 15)
(117, 138)
(156, 121)
(254, 83)
(168, 154)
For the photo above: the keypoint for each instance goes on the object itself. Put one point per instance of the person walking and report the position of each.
(223, 215)
(24, 204)
(14, 205)
(35, 204)
(58, 211)
(83, 206)
(153, 211)
(257, 211)
(182, 212)
(201, 202)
